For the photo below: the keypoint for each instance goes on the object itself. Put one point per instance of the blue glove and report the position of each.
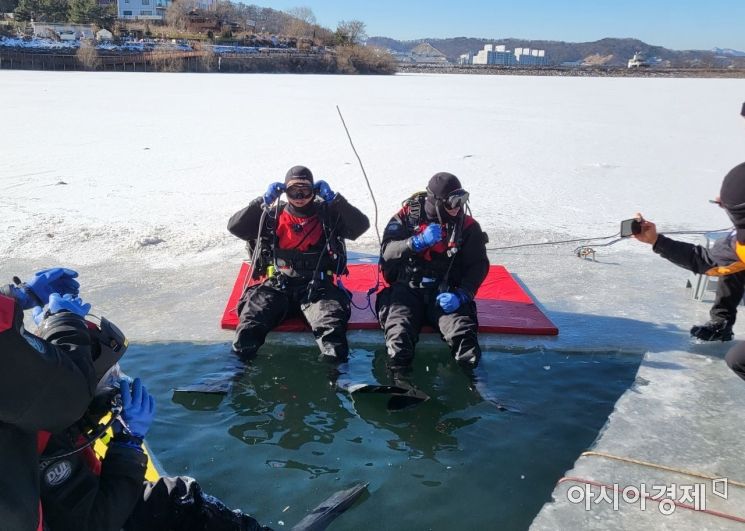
(324, 190)
(430, 236)
(449, 302)
(273, 192)
(36, 291)
(138, 408)
(59, 303)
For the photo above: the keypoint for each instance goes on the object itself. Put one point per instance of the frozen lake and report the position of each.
(130, 178)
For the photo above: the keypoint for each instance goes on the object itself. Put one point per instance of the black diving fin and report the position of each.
(320, 517)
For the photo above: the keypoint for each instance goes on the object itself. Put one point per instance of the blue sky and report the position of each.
(675, 24)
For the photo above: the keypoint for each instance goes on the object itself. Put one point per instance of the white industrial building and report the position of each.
(497, 54)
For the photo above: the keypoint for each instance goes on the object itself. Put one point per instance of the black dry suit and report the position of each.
(45, 384)
(80, 492)
(300, 252)
(458, 262)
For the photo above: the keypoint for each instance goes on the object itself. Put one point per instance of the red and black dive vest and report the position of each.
(434, 262)
(303, 247)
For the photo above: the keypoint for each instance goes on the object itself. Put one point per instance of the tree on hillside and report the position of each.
(42, 10)
(89, 12)
(8, 6)
(177, 14)
(302, 22)
(350, 32)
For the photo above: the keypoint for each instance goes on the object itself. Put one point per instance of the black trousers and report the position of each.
(730, 290)
(178, 503)
(325, 307)
(735, 359)
(402, 310)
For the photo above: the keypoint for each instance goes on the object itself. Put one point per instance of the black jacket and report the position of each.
(341, 220)
(74, 498)
(470, 264)
(699, 259)
(45, 384)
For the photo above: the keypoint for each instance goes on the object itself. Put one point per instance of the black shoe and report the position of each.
(713, 331)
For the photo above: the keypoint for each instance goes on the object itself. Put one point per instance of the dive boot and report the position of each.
(713, 331)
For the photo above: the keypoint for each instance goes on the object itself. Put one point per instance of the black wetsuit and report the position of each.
(415, 281)
(698, 259)
(76, 497)
(45, 384)
(304, 275)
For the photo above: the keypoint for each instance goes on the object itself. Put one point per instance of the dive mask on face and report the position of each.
(456, 199)
(299, 192)
(109, 345)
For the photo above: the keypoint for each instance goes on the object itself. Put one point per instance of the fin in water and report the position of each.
(401, 396)
(320, 517)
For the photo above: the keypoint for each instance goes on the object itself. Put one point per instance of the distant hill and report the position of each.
(607, 52)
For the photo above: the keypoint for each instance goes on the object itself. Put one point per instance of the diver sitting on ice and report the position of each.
(434, 258)
(298, 249)
(82, 492)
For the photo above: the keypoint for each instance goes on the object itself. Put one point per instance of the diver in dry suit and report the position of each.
(46, 382)
(433, 256)
(300, 250)
(81, 492)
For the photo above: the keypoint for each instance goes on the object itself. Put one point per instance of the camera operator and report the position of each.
(81, 492)
(46, 383)
(724, 259)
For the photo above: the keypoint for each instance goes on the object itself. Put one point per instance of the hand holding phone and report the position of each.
(640, 228)
(629, 227)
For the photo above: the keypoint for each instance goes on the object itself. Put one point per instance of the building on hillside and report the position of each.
(63, 32)
(638, 61)
(498, 54)
(142, 9)
(104, 35)
(423, 54)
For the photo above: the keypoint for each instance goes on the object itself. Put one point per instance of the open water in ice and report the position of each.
(283, 439)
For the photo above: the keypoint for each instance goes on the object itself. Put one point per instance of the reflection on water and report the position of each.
(285, 436)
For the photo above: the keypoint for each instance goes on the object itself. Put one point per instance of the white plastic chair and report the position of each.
(700, 284)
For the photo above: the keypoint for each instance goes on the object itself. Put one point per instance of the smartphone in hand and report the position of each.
(630, 227)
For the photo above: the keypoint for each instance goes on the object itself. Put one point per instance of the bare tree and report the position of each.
(177, 14)
(351, 32)
(303, 13)
(88, 56)
(302, 22)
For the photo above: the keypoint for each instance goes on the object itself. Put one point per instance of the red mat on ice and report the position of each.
(503, 305)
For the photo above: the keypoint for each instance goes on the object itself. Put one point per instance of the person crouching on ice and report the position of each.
(433, 257)
(297, 249)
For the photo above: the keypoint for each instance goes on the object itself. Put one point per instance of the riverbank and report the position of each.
(572, 71)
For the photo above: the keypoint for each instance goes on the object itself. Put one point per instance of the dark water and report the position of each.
(283, 439)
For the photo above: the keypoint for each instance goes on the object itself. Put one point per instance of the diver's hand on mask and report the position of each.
(138, 408)
(324, 191)
(36, 291)
(273, 192)
(430, 236)
(60, 303)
